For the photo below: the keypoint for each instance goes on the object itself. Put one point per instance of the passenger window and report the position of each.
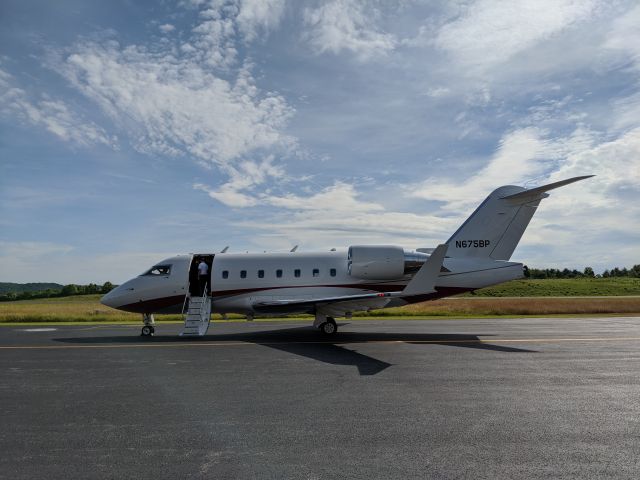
(296, 272)
(332, 272)
(159, 270)
(260, 273)
(243, 274)
(316, 272)
(225, 274)
(279, 273)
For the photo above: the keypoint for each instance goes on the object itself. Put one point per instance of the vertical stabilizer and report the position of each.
(496, 227)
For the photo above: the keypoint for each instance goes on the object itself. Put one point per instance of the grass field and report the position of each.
(564, 287)
(511, 306)
(80, 308)
(496, 301)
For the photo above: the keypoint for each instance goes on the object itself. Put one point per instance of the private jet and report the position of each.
(334, 284)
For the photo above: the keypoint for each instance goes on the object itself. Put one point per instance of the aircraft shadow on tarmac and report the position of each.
(306, 342)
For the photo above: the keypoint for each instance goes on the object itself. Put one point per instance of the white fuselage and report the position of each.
(336, 283)
(239, 282)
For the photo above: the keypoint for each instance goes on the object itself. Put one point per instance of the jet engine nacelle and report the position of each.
(376, 262)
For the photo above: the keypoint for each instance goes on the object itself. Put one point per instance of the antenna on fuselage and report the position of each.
(293, 249)
(224, 250)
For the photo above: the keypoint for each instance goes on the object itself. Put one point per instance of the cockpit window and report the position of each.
(159, 270)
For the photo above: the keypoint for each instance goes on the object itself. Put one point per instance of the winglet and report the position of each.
(535, 192)
(425, 280)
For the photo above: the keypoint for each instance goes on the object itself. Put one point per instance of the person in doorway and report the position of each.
(203, 271)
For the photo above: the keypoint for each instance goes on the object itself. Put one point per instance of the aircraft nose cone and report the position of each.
(110, 299)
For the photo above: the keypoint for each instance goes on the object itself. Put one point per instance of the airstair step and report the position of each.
(197, 317)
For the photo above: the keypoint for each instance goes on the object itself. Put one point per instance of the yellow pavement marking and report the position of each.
(492, 341)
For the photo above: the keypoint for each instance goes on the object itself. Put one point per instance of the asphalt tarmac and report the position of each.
(519, 398)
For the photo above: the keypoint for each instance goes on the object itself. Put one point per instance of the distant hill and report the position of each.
(7, 287)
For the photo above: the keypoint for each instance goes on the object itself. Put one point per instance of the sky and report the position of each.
(131, 131)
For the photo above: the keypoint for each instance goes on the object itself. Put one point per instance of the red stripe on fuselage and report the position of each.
(364, 286)
(165, 303)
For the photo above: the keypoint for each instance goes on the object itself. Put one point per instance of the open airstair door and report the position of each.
(195, 288)
(198, 317)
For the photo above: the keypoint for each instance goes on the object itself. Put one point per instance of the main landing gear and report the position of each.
(330, 327)
(148, 330)
(327, 325)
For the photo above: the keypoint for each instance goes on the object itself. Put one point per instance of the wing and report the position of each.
(423, 282)
(309, 305)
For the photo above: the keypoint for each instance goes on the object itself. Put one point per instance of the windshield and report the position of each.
(159, 270)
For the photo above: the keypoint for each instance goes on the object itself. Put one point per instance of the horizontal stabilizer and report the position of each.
(536, 192)
(425, 280)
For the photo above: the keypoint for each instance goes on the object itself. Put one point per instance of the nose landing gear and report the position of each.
(148, 329)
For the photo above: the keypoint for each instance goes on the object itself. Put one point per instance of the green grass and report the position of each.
(87, 308)
(564, 287)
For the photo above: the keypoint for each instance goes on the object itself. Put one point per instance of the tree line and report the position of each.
(633, 272)
(65, 291)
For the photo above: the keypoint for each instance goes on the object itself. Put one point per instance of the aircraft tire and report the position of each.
(330, 327)
(147, 331)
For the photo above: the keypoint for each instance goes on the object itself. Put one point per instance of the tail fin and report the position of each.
(495, 228)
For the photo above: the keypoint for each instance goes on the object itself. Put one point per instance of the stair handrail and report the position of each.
(186, 295)
(204, 300)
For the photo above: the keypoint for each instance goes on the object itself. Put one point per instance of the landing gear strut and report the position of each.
(148, 330)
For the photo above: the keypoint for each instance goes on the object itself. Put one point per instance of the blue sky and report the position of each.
(130, 131)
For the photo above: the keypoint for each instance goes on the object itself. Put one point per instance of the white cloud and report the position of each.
(259, 16)
(243, 177)
(166, 28)
(595, 222)
(174, 102)
(492, 31)
(322, 228)
(52, 114)
(338, 216)
(229, 194)
(625, 35)
(527, 157)
(213, 38)
(340, 198)
(570, 223)
(437, 92)
(347, 25)
(521, 155)
(624, 40)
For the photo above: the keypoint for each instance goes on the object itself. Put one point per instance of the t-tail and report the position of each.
(495, 228)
